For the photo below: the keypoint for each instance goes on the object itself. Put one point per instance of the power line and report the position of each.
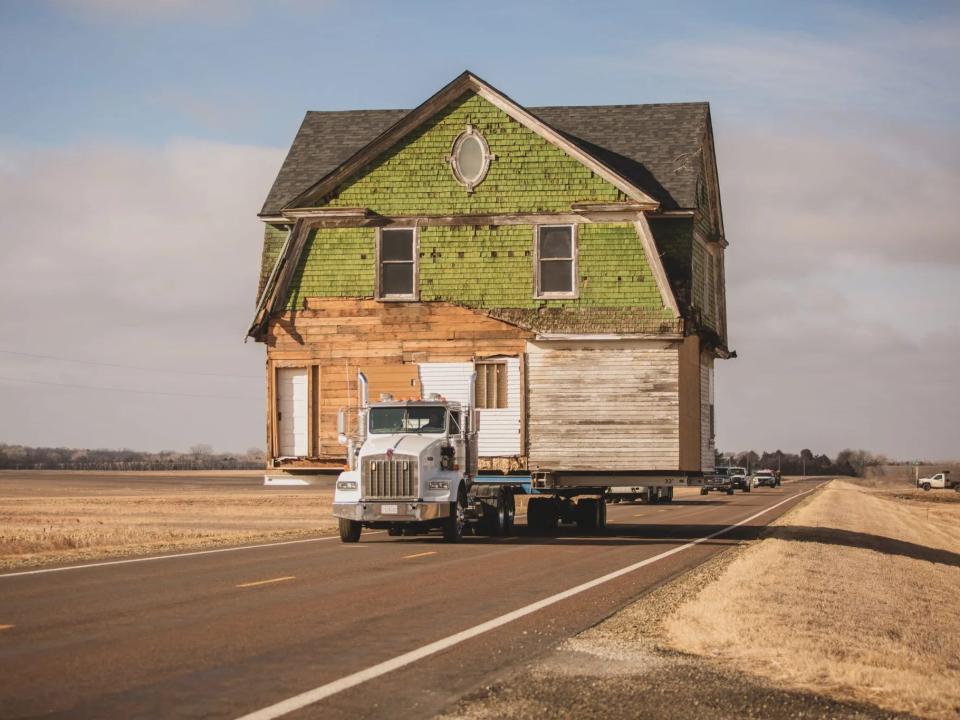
(125, 390)
(127, 367)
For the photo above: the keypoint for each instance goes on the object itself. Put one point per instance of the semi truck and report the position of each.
(412, 468)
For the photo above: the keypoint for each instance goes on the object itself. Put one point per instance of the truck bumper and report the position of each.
(396, 511)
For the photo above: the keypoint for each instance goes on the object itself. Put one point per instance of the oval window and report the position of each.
(470, 158)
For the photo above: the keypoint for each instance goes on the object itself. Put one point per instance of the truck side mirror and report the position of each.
(342, 426)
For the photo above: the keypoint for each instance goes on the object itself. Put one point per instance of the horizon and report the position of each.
(147, 136)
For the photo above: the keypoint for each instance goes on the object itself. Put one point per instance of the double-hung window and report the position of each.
(556, 272)
(397, 264)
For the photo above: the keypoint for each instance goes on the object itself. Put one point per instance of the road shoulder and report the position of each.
(627, 667)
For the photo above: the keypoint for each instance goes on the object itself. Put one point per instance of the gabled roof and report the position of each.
(652, 148)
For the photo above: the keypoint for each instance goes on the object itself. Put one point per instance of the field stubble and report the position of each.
(38, 528)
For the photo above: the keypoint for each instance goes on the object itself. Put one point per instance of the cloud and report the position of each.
(135, 256)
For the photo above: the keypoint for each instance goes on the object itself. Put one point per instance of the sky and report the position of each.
(139, 139)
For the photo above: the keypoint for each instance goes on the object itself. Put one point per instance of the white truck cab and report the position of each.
(938, 481)
(412, 466)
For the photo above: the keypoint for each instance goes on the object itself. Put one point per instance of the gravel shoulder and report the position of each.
(633, 666)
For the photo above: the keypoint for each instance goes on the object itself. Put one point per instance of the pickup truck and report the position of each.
(939, 481)
(719, 481)
(739, 478)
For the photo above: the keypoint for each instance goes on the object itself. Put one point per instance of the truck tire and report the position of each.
(603, 515)
(542, 515)
(495, 517)
(926, 486)
(511, 512)
(746, 487)
(730, 491)
(704, 491)
(588, 514)
(350, 530)
(456, 521)
(668, 497)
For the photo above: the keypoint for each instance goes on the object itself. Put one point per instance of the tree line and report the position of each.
(806, 462)
(199, 457)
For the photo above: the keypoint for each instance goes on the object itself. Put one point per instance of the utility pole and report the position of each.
(803, 461)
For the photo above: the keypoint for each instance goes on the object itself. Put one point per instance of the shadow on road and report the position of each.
(626, 534)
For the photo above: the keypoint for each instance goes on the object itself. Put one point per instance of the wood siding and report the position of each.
(612, 406)
(499, 434)
(339, 336)
(707, 443)
(690, 429)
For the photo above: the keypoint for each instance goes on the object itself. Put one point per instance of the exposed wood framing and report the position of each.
(465, 82)
(656, 265)
(339, 336)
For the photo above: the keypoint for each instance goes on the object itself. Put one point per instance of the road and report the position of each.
(224, 634)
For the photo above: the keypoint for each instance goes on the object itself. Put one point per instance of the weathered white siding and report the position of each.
(707, 444)
(500, 428)
(613, 407)
(292, 389)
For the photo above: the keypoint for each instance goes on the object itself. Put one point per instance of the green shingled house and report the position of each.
(573, 257)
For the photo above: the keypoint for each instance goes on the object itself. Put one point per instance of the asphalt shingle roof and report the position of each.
(656, 147)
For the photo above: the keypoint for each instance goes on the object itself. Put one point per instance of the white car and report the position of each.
(766, 478)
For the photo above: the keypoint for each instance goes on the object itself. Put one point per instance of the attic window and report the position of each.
(470, 158)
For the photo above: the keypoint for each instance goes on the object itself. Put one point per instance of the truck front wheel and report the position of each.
(926, 486)
(456, 521)
(350, 530)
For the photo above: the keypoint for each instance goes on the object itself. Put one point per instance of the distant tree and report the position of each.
(201, 450)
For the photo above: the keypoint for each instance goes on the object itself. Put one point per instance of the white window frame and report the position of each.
(415, 294)
(574, 265)
(470, 183)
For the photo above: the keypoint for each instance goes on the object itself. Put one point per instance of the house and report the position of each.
(573, 257)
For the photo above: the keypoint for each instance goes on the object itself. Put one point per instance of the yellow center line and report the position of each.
(6, 627)
(266, 582)
(423, 554)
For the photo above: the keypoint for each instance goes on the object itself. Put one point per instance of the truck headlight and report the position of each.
(346, 484)
(438, 485)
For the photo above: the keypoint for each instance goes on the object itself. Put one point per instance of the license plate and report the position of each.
(389, 509)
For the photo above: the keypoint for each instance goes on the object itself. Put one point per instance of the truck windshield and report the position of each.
(385, 420)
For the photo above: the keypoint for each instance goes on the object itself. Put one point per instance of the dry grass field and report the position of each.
(854, 593)
(68, 517)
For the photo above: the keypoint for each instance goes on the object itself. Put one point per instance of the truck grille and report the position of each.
(385, 477)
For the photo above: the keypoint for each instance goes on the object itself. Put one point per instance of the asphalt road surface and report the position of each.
(320, 629)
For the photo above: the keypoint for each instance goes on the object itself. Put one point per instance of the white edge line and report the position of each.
(297, 702)
(127, 561)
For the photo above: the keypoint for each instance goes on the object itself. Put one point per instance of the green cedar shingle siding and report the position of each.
(481, 267)
(273, 239)
(528, 174)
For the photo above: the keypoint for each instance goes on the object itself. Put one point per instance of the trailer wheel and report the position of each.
(350, 530)
(668, 497)
(704, 491)
(456, 521)
(394, 531)
(542, 515)
(588, 514)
